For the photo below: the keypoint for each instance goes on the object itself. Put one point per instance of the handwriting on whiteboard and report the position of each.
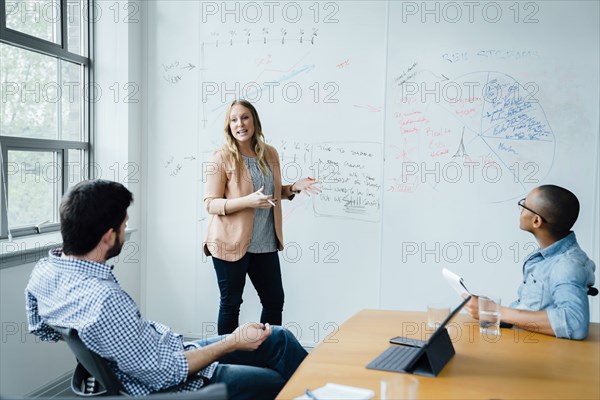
(175, 165)
(175, 71)
(349, 173)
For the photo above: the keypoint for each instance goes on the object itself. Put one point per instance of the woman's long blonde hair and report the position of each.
(258, 139)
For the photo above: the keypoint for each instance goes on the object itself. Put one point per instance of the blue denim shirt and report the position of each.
(556, 279)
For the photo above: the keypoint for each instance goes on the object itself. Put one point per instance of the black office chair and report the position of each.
(94, 377)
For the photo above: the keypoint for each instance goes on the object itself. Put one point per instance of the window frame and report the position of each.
(11, 143)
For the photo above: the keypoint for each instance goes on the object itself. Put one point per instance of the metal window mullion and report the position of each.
(28, 42)
(65, 171)
(64, 160)
(3, 194)
(85, 29)
(50, 144)
(63, 25)
(57, 159)
(86, 127)
(58, 36)
(2, 16)
(90, 72)
(59, 116)
(83, 104)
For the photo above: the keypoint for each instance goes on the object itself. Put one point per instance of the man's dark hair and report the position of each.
(88, 211)
(560, 208)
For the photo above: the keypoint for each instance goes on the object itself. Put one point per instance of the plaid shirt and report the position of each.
(145, 355)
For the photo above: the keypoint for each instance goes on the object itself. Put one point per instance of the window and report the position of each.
(44, 109)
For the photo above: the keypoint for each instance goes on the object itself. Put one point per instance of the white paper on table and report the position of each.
(333, 391)
(455, 281)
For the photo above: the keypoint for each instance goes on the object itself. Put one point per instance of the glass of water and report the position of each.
(489, 315)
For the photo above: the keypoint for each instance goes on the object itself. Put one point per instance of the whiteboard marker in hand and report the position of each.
(270, 202)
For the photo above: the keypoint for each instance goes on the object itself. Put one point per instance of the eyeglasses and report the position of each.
(521, 204)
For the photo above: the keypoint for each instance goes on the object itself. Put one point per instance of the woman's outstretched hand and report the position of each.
(306, 185)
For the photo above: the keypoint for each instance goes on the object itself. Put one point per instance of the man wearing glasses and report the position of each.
(553, 296)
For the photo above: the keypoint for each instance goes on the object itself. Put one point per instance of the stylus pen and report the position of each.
(311, 395)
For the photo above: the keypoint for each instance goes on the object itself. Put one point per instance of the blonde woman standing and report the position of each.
(243, 193)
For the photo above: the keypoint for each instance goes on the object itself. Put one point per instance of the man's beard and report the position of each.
(115, 250)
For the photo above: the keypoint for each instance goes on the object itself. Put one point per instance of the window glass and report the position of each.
(76, 167)
(71, 101)
(32, 181)
(39, 18)
(30, 93)
(76, 22)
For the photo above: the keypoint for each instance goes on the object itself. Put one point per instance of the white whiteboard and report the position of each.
(479, 112)
(424, 133)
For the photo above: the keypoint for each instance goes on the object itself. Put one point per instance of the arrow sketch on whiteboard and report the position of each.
(173, 71)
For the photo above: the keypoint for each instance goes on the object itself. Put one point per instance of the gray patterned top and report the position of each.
(263, 239)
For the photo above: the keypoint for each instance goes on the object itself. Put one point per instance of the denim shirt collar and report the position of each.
(557, 247)
(560, 246)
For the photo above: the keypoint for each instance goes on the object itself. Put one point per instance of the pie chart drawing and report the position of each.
(500, 133)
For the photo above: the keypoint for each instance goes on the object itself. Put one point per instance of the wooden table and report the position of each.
(516, 365)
